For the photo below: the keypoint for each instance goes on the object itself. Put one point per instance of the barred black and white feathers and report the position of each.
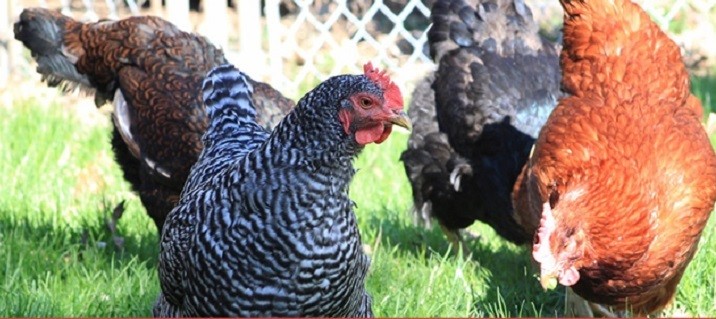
(264, 226)
(233, 130)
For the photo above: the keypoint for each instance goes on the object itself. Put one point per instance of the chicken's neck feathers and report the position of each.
(311, 135)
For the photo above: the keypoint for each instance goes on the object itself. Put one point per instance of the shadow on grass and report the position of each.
(52, 269)
(513, 290)
(92, 237)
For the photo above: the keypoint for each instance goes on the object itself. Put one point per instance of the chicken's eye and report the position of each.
(365, 103)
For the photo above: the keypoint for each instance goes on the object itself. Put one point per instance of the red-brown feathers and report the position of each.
(612, 151)
(393, 97)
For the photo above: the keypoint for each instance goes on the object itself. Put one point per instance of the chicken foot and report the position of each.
(455, 237)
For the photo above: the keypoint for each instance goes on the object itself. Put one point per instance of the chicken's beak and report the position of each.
(401, 119)
(548, 281)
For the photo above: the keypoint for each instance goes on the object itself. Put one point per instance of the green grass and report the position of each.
(57, 257)
(704, 87)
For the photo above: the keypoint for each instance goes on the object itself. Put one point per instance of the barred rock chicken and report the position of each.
(152, 71)
(623, 177)
(264, 226)
(497, 80)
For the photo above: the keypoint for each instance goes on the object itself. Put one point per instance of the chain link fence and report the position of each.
(293, 44)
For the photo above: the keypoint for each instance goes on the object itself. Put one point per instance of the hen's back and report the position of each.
(492, 64)
(232, 133)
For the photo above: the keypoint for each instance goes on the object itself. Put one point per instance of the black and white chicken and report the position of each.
(264, 226)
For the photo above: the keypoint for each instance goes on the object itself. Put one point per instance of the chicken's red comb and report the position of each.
(393, 97)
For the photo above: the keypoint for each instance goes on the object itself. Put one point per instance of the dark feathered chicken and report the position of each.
(429, 160)
(265, 226)
(152, 71)
(496, 83)
(416, 158)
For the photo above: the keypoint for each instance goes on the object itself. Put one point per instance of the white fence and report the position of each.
(294, 43)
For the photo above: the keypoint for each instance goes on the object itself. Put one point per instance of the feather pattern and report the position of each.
(496, 83)
(265, 220)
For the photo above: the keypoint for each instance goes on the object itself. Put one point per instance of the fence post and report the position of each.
(273, 30)
(5, 39)
(178, 13)
(250, 34)
(156, 7)
(216, 22)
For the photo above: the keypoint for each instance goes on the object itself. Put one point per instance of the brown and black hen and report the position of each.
(153, 72)
(496, 83)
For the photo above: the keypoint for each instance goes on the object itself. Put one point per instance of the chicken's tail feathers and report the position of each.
(227, 94)
(49, 37)
(494, 25)
(232, 130)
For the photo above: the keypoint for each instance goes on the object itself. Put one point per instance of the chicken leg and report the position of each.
(457, 240)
